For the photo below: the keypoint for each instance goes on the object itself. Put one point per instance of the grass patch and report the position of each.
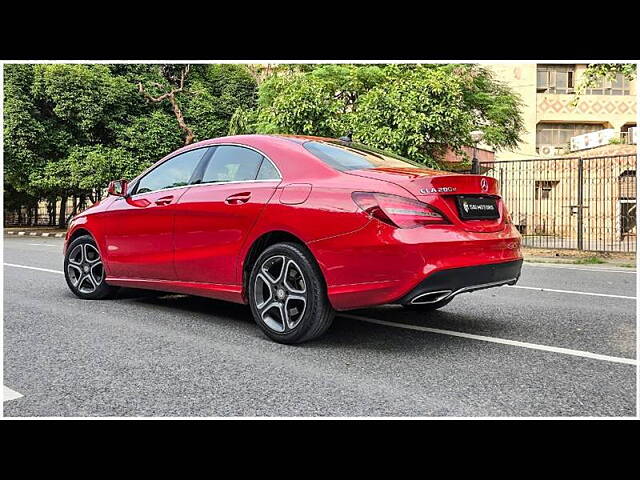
(589, 261)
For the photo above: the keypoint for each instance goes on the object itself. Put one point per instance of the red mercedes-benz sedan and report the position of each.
(297, 227)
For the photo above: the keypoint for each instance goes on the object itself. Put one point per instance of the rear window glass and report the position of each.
(355, 156)
(231, 163)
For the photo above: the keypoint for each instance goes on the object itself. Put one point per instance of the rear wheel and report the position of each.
(287, 295)
(84, 270)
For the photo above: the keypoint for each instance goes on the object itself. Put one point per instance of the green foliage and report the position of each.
(70, 129)
(242, 122)
(589, 261)
(150, 137)
(596, 72)
(413, 110)
(317, 102)
(607, 71)
(214, 95)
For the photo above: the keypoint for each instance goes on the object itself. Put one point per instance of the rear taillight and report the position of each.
(398, 211)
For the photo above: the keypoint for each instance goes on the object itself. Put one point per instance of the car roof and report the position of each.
(255, 139)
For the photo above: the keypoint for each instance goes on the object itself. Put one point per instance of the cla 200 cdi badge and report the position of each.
(297, 227)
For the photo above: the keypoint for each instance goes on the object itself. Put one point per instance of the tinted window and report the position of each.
(267, 171)
(175, 172)
(354, 156)
(232, 164)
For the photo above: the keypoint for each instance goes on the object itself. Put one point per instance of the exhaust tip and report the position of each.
(430, 297)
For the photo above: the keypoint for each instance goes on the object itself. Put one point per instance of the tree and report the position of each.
(216, 92)
(172, 84)
(69, 129)
(597, 72)
(413, 110)
(315, 102)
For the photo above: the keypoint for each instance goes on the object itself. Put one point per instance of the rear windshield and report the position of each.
(345, 156)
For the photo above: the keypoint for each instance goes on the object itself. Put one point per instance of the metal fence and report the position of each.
(571, 202)
(43, 213)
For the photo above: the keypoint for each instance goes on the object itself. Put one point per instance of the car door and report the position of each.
(139, 238)
(214, 217)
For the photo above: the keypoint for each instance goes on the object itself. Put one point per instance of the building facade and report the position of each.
(551, 114)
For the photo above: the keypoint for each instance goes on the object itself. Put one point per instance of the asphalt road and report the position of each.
(539, 353)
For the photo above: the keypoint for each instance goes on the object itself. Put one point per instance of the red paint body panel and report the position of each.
(138, 235)
(198, 242)
(209, 232)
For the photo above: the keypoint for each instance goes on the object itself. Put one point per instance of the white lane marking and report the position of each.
(542, 289)
(586, 269)
(482, 338)
(8, 394)
(33, 268)
(44, 244)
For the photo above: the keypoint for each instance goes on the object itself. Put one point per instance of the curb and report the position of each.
(37, 234)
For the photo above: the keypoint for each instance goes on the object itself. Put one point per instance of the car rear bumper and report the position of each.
(446, 284)
(378, 264)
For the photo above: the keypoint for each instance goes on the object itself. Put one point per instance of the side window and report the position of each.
(175, 172)
(232, 164)
(267, 171)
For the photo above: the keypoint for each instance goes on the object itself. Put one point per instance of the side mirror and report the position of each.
(118, 188)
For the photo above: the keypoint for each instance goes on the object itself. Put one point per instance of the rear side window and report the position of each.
(354, 156)
(175, 172)
(267, 171)
(232, 164)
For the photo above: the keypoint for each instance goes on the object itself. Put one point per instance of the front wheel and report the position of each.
(287, 295)
(84, 270)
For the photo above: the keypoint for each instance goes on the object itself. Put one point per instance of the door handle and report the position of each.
(164, 200)
(238, 198)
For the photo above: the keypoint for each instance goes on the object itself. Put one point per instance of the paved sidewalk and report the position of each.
(580, 257)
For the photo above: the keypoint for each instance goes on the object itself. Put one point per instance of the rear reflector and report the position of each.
(398, 211)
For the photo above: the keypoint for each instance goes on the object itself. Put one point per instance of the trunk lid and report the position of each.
(441, 190)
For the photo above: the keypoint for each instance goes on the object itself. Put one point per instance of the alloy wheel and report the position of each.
(85, 269)
(280, 293)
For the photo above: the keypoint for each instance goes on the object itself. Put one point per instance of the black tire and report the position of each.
(306, 322)
(428, 307)
(86, 284)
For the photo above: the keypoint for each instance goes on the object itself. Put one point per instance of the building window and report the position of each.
(559, 134)
(555, 78)
(618, 86)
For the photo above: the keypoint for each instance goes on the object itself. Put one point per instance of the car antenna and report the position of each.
(346, 138)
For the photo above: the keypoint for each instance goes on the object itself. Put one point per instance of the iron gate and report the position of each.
(572, 202)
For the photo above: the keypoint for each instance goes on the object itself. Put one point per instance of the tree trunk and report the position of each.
(180, 117)
(52, 214)
(171, 96)
(63, 212)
